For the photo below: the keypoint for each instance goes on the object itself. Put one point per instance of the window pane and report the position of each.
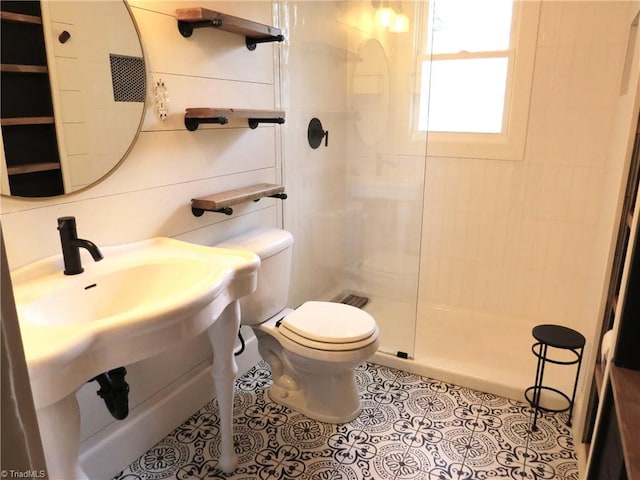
(463, 95)
(470, 25)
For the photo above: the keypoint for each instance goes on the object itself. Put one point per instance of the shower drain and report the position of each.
(357, 301)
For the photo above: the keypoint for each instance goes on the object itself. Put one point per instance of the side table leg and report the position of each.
(575, 387)
(537, 391)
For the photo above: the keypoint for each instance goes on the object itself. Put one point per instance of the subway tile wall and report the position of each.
(508, 245)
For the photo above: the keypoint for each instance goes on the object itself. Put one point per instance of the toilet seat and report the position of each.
(329, 326)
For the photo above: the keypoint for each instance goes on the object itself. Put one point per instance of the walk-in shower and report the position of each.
(358, 214)
(469, 185)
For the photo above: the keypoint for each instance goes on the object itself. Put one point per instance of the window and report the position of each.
(475, 73)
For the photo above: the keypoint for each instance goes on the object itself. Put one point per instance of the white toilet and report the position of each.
(312, 350)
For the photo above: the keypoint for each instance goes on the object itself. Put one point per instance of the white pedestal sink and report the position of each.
(142, 299)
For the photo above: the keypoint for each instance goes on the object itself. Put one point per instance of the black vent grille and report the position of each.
(128, 78)
(357, 301)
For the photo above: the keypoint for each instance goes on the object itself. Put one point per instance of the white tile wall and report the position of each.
(508, 245)
(314, 69)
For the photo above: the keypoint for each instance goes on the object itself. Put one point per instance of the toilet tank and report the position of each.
(273, 246)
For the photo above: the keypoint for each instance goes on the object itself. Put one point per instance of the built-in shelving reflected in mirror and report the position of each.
(73, 94)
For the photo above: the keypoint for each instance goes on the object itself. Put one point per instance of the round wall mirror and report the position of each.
(73, 94)
(370, 92)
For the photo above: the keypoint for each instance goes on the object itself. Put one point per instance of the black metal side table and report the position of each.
(558, 337)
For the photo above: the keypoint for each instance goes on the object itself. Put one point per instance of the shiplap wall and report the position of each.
(149, 194)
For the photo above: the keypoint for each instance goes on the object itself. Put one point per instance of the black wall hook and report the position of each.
(315, 134)
(64, 36)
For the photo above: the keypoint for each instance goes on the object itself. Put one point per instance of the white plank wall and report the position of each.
(149, 194)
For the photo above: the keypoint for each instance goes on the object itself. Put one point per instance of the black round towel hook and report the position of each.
(64, 36)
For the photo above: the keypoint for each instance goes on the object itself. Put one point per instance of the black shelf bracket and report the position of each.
(281, 196)
(186, 28)
(198, 212)
(254, 122)
(253, 41)
(192, 123)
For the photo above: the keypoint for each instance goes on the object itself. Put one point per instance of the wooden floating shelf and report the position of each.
(223, 201)
(196, 17)
(221, 116)
(10, 122)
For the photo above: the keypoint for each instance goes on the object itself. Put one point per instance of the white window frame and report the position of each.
(510, 143)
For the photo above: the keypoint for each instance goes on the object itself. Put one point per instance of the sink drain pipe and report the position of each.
(114, 391)
(242, 345)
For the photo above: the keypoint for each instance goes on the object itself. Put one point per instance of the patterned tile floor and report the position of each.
(410, 428)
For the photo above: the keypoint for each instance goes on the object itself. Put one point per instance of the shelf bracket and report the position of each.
(281, 196)
(186, 28)
(254, 122)
(193, 123)
(198, 212)
(253, 41)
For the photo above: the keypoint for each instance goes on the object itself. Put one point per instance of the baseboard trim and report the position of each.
(109, 451)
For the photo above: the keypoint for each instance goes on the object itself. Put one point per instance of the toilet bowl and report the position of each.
(313, 351)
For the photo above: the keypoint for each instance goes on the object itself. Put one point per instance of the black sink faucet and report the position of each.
(71, 246)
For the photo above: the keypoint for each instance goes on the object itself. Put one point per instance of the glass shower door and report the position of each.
(355, 204)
